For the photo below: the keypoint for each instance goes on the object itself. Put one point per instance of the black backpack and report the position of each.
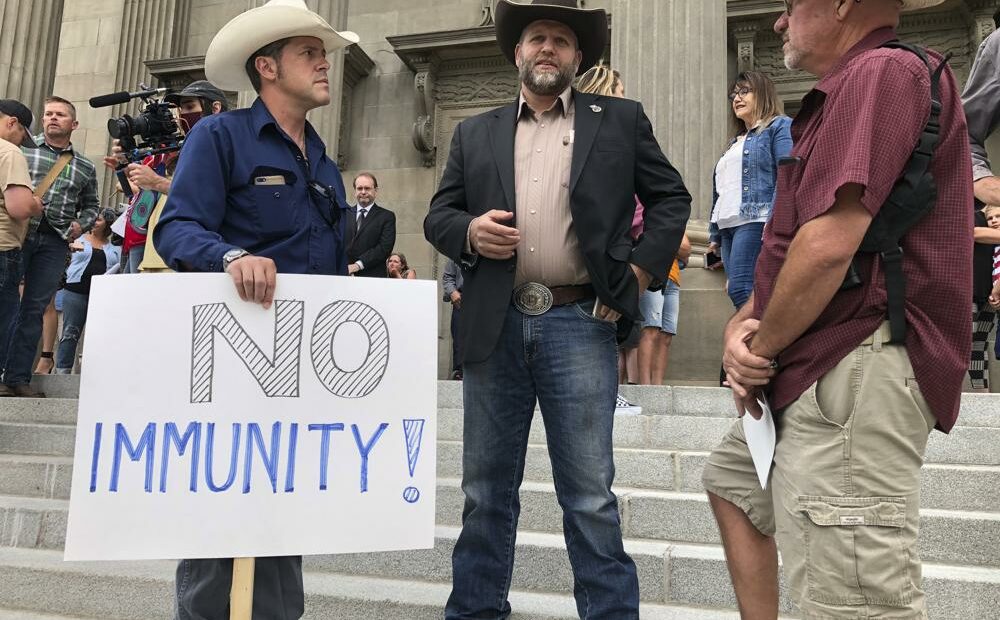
(912, 197)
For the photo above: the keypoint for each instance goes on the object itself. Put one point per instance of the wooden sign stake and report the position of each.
(241, 596)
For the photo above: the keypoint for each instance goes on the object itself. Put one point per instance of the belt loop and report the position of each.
(877, 340)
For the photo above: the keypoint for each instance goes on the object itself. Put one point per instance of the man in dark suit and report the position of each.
(535, 204)
(372, 231)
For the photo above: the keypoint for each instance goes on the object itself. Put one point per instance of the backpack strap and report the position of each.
(911, 199)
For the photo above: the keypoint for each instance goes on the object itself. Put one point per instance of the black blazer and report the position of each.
(373, 243)
(615, 159)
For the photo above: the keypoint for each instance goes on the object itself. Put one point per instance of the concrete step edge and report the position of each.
(354, 587)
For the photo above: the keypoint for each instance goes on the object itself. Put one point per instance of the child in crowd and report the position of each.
(986, 293)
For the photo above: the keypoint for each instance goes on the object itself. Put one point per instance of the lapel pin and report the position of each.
(595, 108)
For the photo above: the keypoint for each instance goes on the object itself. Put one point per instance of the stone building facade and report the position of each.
(422, 66)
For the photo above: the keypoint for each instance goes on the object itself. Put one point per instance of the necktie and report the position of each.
(361, 216)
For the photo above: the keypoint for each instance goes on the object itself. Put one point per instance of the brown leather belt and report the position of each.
(533, 299)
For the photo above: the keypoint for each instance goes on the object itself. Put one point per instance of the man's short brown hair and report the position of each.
(366, 174)
(65, 102)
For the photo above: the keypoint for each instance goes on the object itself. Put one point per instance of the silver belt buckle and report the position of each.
(532, 298)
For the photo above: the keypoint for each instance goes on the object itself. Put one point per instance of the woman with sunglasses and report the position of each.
(745, 178)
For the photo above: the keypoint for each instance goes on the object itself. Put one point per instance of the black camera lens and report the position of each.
(121, 127)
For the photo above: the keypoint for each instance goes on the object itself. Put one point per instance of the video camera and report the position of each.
(153, 131)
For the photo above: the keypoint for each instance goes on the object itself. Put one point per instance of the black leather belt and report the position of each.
(533, 299)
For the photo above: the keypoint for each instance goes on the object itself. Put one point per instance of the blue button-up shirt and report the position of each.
(242, 183)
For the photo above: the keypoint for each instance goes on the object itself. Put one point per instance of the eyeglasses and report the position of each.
(741, 93)
(326, 194)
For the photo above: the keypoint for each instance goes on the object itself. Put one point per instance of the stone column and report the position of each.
(672, 57)
(148, 33)
(245, 98)
(326, 120)
(29, 47)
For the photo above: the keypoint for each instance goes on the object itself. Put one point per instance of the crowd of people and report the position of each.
(847, 235)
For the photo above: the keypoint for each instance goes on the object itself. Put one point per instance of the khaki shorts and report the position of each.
(844, 495)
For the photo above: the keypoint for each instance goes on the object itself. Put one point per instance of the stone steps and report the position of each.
(693, 578)
(945, 487)
(947, 536)
(45, 427)
(668, 527)
(35, 579)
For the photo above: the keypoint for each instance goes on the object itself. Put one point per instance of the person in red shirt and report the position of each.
(853, 407)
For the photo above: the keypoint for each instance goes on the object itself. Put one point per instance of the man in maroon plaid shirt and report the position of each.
(853, 409)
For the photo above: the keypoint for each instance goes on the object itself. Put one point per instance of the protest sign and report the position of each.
(210, 427)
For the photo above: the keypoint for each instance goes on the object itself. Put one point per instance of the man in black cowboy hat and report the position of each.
(535, 204)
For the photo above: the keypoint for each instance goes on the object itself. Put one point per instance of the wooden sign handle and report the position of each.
(241, 596)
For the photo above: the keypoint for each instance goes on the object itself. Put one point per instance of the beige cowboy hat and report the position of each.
(590, 26)
(225, 61)
(916, 5)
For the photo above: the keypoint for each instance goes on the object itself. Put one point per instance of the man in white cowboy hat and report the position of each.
(860, 351)
(254, 194)
(535, 205)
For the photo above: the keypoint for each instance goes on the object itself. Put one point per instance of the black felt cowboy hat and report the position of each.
(590, 26)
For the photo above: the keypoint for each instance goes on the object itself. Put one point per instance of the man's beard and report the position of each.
(793, 58)
(546, 84)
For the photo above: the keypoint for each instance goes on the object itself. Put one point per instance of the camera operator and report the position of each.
(197, 100)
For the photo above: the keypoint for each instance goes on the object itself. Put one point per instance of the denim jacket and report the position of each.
(763, 147)
(80, 260)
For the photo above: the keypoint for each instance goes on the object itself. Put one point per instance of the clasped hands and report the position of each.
(746, 372)
(491, 237)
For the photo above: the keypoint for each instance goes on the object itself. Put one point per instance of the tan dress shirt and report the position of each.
(549, 251)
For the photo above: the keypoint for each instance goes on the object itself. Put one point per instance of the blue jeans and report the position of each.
(740, 247)
(134, 259)
(74, 319)
(568, 361)
(203, 588)
(43, 261)
(10, 298)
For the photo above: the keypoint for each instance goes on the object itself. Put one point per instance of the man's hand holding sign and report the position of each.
(247, 417)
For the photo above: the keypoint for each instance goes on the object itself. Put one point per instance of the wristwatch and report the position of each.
(231, 255)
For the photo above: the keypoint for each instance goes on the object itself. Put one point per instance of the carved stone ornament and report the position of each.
(489, 13)
(423, 128)
(746, 39)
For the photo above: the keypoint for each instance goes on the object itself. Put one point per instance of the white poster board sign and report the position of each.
(210, 427)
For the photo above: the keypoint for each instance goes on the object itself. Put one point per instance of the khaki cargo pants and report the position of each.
(844, 495)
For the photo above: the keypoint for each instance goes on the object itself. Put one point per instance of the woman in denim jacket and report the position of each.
(745, 178)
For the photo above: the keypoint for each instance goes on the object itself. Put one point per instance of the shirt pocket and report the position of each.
(276, 208)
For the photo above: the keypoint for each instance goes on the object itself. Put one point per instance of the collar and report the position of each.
(40, 141)
(261, 117)
(561, 104)
(873, 40)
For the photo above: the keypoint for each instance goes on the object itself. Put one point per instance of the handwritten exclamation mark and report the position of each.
(414, 431)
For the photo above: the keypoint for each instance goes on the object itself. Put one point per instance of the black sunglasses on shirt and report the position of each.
(325, 193)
